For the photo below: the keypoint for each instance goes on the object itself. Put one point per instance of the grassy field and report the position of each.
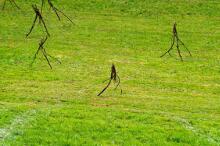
(164, 101)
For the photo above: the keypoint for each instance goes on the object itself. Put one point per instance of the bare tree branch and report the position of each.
(114, 77)
(13, 3)
(39, 16)
(45, 54)
(57, 10)
(176, 39)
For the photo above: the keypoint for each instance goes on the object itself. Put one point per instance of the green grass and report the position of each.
(164, 101)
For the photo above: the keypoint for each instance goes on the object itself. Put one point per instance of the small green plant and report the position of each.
(45, 54)
(114, 77)
(175, 38)
(37, 15)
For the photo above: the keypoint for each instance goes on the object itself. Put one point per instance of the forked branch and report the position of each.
(175, 39)
(45, 54)
(114, 77)
(38, 15)
(57, 10)
(13, 3)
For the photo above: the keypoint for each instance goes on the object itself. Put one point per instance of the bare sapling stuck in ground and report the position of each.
(13, 3)
(41, 20)
(45, 54)
(175, 38)
(56, 10)
(114, 77)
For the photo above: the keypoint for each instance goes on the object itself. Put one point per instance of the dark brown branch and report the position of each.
(39, 16)
(45, 54)
(35, 19)
(175, 39)
(114, 77)
(57, 10)
(39, 48)
(171, 47)
(119, 81)
(13, 3)
(185, 47)
(42, 20)
(48, 61)
(51, 56)
(178, 50)
(35, 55)
(65, 16)
(105, 87)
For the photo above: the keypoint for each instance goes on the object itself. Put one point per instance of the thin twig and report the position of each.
(39, 48)
(178, 50)
(39, 16)
(171, 47)
(42, 20)
(12, 3)
(105, 88)
(66, 16)
(57, 10)
(33, 24)
(185, 47)
(42, 5)
(45, 54)
(53, 58)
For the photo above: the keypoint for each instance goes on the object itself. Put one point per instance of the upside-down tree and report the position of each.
(41, 20)
(113, 77)
(45, 54)
(176, 39)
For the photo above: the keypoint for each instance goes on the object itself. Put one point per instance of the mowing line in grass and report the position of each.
(17, 123)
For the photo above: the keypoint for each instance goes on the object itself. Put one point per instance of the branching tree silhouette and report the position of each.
(175, 38)
(57, 10)
(39, 16)
(12, 3)
(45, 54)
(114, 77)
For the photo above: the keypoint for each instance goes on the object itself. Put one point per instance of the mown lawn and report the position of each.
(164, 101)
